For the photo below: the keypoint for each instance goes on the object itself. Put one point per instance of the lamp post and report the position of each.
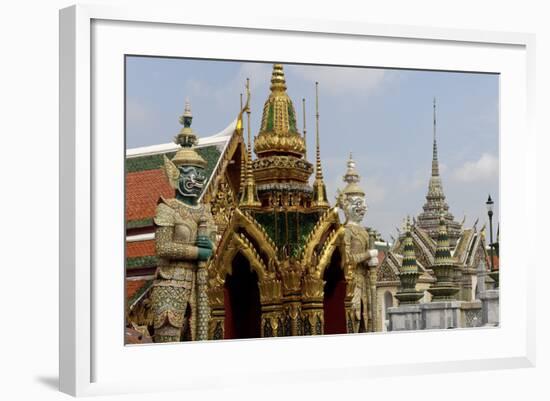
(493, 274)
(490, 204)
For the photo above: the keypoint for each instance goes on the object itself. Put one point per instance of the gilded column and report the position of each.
(353, 290)
(217, 312)
(272, 310)
(292, 305)
(373, 274)
(312, 306)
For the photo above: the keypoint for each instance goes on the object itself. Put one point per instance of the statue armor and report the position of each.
(176, 236)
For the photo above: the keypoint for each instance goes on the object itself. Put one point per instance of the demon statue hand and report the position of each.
(180, 249)
(361, 258)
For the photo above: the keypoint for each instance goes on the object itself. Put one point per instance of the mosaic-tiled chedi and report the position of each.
(408, 273)
(184, 237)
(444, 267)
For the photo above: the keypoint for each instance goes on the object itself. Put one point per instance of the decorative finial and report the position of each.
(248, 113)
(435, 163)
(187, 108)
(318, 169)
(351, 176)
(304, 129)
(278, 82)
(319, 189)
(249, 197)
(186, 137)
(187, 117)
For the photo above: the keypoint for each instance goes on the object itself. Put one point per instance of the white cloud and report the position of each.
(341, 80)
(480, 170)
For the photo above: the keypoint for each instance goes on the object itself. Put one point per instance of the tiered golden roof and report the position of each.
(279, 146)
(278, 131)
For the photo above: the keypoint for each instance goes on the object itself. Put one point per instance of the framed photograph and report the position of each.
(289, 199)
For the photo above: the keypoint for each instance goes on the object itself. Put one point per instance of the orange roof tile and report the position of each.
(143, 190)
(140, 248)
(133, 286)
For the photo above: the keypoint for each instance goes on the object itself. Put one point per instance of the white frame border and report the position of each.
(75, 169)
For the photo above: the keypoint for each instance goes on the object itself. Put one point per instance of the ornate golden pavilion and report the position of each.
(280, 265)
(279, 268)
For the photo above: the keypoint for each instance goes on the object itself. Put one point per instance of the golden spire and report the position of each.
(278, 82)
(239, 129)
(249, 197)
(304, 129)
(239, 126)
(319, 189)
(278, 131)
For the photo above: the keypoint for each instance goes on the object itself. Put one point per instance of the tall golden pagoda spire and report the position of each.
(249, 196)
(319, 189)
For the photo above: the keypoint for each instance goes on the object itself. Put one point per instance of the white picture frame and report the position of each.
(93, 357)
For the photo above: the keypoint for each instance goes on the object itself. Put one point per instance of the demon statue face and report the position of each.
(191, 182)
(354, 207)
(188, 179)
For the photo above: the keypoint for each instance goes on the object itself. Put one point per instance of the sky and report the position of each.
(383, 116)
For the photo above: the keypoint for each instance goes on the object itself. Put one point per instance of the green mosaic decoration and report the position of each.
(291, 118)
(298, 225)
(139, 223)
(141, 262)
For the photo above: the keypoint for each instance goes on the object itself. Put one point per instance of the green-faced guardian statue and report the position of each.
(185, 236)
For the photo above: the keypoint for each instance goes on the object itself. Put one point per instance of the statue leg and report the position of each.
(169, 304)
